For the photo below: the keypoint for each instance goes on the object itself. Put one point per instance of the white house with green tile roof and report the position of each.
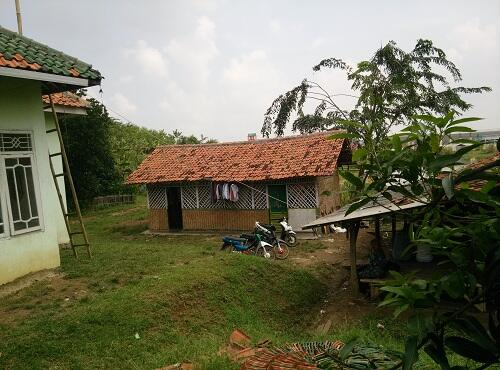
(29, 207)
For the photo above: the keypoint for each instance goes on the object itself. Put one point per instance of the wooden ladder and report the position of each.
(66, 173)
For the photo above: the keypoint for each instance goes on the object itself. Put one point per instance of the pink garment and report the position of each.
(234, 193)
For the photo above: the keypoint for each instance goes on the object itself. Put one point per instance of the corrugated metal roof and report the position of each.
(381, 206)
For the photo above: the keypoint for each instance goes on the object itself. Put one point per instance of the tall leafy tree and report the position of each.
(86, 139)
(390, 88)
(130, 143)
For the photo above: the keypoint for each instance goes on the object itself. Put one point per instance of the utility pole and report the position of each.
(19, 20)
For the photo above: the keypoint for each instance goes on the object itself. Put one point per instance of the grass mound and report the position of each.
(178, 294)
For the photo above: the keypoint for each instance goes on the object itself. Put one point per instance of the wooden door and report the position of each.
(174, 209)
(277, 204)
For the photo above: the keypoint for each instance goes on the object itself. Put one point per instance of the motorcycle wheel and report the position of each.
(227, 248)
(281, 250)
(291, 240)
(261, 252)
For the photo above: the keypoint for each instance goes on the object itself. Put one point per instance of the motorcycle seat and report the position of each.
(269, 227)
(233, 239)
(247, 236)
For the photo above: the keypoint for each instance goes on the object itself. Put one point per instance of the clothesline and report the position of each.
(259, 191)
(270, 196)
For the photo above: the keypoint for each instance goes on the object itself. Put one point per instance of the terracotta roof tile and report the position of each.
(478, 184)
(483, 162)
(269, 159)
(66, 99)
(23, 53)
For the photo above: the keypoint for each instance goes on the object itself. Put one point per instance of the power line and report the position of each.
(108, 107)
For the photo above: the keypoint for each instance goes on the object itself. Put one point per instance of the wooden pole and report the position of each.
(393, 229)
(378, 237)
(353, 236)
(19, 20)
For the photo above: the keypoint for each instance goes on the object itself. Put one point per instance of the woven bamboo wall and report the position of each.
(223, 219)
(328, 192)
(158, 219)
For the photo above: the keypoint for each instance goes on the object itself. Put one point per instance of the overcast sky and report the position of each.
(213, 67)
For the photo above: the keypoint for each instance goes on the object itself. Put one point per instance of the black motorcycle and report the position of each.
(268, 234)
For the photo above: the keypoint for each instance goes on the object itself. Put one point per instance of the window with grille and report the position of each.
(302, 195)
(20, 210)
(157, 196)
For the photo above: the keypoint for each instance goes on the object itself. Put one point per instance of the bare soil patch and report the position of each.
(35, 292)
(330, 257)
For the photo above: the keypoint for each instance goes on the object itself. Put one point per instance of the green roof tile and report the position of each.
(51, 60)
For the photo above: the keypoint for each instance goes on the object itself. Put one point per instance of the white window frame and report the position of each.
(5, 204)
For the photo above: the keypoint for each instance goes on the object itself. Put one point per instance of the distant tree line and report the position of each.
(103, 151)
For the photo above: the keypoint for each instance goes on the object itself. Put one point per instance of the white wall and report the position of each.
(300, 217)
(54, 147)
(21, 109)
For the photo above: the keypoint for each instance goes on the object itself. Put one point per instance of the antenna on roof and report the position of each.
(19, 20)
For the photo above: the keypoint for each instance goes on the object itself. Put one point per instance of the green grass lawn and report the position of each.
(178, 293)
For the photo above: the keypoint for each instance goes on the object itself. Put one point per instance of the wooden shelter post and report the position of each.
(378, 237)
(393, 229)
(353, 236)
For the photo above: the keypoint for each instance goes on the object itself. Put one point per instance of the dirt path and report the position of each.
(331, 257)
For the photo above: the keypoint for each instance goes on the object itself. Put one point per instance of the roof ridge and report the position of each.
(258, 141)
(32, 41)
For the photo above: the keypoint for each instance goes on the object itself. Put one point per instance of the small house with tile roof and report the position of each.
(29, 205)
(294, 177)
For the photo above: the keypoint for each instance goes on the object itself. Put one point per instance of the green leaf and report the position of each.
(463, 120)
(419, 325)
(388, 301)
(357, 205)
(468, 349)
(342, 135)
(387, 195)
(468, 148)
(453, 284)
(434, 140)
(446, 160)
(359, 154)
(396, 142)
(471, 327)
(452, 129)
(489, 186)
(399, 310)
(411, 353)
(356, 181)
(427, 118)
(438, 355)
(498, 144)
(463, 141)
(347, 348)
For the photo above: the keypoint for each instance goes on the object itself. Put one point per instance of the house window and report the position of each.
(19, 211)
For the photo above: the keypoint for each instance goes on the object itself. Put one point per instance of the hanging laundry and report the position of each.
(217, 192)
(234, 193)
(225, 191)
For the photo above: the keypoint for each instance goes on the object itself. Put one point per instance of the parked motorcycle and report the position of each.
(268, 234)
(247, 244)
(287, 233)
